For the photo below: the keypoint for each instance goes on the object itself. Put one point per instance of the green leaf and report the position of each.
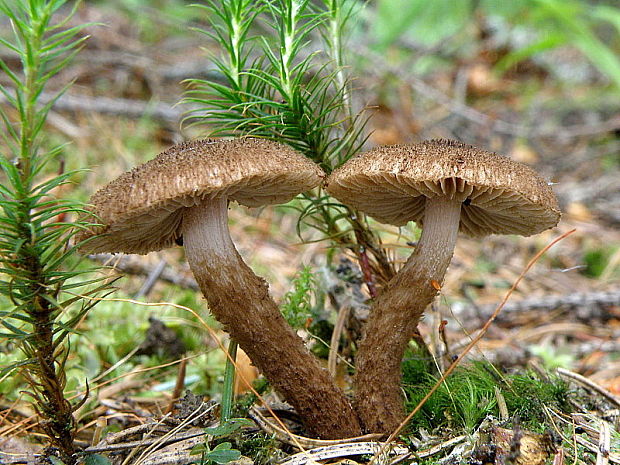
(96, 459)
(223, 453)
(426, 23)
(601, 56)
(551, 41)
(231, 426)
(607, 13)
(13, 366)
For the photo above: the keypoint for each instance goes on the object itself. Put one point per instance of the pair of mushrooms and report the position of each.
(445, 186)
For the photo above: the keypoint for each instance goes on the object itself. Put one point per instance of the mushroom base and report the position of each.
(395, 315)
(240, 300)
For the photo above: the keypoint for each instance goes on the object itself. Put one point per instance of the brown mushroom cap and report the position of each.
(141, 211)
(499, 195)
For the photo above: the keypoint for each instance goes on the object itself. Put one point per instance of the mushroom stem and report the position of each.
(240, 300)
(395, 315)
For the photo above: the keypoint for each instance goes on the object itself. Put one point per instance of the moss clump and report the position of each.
(471, 393)
(526, 394)
(260, 447)
(244, 402)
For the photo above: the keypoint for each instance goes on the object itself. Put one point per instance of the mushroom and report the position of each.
(446, 187)
(183, 193)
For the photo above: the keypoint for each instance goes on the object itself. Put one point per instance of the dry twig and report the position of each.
(297, 441)
(589, 384)
(584, 301)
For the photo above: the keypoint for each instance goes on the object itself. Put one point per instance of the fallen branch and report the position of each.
(588, 303)
(186, 70)
(500, 126)
(343, 450)
(459, 108)
(589, 384)
(135, 266)
(129, 108)
(295, 440)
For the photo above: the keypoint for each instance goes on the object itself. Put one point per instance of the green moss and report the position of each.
(470, 394)
(322, 330)
(528, 394)
(416, 366)
(247, 400)
(260, 447)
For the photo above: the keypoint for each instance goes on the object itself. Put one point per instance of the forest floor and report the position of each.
(565, 312)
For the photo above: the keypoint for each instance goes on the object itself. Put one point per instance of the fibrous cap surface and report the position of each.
(499, 195)
(141, 211)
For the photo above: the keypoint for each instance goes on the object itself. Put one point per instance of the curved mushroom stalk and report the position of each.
(240, 300)
(395, 315)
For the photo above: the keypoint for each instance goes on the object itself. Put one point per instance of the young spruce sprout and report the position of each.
(38, 275)
(291, 87)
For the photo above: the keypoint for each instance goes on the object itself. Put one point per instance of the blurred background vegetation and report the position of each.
(537, 80)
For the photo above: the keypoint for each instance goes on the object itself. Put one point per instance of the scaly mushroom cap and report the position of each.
(499, 195)
(141, 211)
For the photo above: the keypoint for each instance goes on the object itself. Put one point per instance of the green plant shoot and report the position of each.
(37, 266)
